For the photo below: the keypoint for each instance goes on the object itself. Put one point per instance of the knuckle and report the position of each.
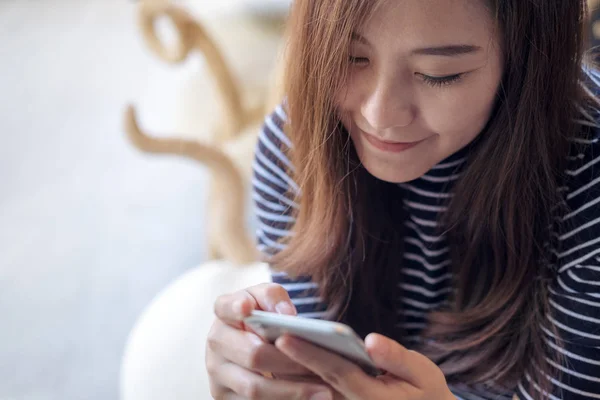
(212, 343)
(215, 392)
(441, 378)
(439, 375)
(224, 300)
(256, 355)
(251, 389)
(400, 357)
(274, 290)
(212, 363)
(212, 340)
(211, 367)
(339, 374)
(218, 304)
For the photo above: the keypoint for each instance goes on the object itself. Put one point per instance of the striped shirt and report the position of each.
(425, 277)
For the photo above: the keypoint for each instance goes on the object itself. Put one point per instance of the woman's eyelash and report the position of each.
(434, 81)
(440, 81)
(358, 60)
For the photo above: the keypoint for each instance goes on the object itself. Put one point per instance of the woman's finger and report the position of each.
(313, 378)
(407, 365)
(250, 385)
(233, 308)
(344, 376)
(251, 352)
(231, 396)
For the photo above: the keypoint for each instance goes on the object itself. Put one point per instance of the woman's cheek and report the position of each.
(458, 118)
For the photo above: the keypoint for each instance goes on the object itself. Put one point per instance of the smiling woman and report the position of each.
(433, 94)
(431, 178)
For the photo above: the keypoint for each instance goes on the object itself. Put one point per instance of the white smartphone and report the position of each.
(333, 336)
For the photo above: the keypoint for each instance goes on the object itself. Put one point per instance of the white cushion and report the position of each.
(164, 355)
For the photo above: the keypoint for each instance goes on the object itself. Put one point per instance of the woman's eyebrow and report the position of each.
(452, 50)
(360, 38)
(447, 50)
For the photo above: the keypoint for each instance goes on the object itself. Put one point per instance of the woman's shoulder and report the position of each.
(579, 225)
(272, 164)
(273, 142)
(574, 293)
(273, 188)
(583, 165)
(583, 162)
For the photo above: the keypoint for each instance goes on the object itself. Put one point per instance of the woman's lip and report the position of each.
(393, 147)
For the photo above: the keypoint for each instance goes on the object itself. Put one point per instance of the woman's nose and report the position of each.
(388, 108)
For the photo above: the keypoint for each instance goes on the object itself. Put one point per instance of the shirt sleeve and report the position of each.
(575, 291)
(274, 193)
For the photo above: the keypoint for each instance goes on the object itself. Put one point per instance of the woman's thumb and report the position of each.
(394, 358)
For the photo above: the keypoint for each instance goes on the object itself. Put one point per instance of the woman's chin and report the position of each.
(393, 173)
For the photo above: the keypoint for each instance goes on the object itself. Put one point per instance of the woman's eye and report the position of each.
(358, 60)
(440, 81)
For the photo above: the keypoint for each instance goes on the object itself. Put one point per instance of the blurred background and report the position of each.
(91, 228)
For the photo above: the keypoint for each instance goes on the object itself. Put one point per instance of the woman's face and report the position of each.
(423, 81)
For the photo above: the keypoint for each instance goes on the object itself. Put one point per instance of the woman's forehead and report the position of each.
(407, 24)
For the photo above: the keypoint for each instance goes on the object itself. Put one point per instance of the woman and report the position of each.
(436, 188)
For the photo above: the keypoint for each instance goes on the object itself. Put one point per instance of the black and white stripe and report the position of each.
(425, 279)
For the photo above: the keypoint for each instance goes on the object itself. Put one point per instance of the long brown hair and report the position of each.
(348, 230)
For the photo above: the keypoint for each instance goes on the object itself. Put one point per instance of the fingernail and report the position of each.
(370, 340)
(321, 396)
(283, 307)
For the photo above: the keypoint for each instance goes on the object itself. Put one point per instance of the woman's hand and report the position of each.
(410, 375)
(236, 358)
